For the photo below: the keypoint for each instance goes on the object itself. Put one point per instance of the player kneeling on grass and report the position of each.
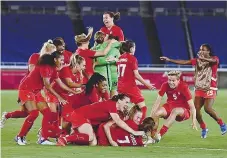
(179, 104)
(82, 120)
(110, 134)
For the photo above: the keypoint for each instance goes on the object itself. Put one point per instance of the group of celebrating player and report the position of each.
(84, 96)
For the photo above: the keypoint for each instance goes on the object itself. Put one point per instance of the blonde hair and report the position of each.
(133, 111)
(174, 73)
(47, 45)
(75, 59)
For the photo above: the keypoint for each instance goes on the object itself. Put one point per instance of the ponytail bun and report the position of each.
(117, 16)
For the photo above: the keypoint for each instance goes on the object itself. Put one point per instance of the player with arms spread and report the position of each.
(83, 118)
(179, 104)
(206, 66)
(110, 134)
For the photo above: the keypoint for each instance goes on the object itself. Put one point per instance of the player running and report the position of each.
(179, 104)
(206, 66)
(83, 118)
(110, 134)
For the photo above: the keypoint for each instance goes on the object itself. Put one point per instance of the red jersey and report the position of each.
(214, 68)
(124, 138)
(88, 55)
(34, 80)
(115, 31)
(34, 59)
(98, 112)
(64, 73)
(126, 65)
(178, 96)
(67, 56)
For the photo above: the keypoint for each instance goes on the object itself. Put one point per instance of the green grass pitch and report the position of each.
(180, 141)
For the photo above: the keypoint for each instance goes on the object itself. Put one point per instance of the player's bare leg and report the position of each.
(209, 110)
(199, 102)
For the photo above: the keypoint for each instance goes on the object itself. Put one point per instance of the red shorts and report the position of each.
(26, 95)
(169, 109)
(101, 135)
(76, 120)
(50, 98)
(134, 94)
(206, 94)
(39, 98)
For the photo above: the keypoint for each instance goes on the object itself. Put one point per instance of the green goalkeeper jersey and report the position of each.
(108, 69)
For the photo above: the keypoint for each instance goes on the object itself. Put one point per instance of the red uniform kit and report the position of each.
(177, 97)
(115, 31)
(88, 55)
(126, 79)
(120, 136)
(93, 114)
(33, 83)
(213, 85)
(67, 56)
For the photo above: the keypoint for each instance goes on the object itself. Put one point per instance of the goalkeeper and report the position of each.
(107, 69)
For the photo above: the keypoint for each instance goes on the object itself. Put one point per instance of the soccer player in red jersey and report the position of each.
(83, 118)
(47, 48)
(128, 74)
(60, 45)
(179, 104)
(206, 64)
(82, 41)
(110, 134)
(110, 28)
(43, 73)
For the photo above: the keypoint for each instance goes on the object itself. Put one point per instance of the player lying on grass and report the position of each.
(83, 118)
(179, 104)
(111, 134)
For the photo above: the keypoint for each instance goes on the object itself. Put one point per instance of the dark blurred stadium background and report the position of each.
(174, 28)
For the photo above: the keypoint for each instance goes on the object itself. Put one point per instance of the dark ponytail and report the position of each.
(126, 46)
(48, 59)
(116, 16)
(95, 79)
(119, 96)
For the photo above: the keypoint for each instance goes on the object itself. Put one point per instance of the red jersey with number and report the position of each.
(98, 112)
(177, 97)
(214, 68)
(115, 31)
(126, 65)
(34, 80)
(88, 55)
(67, 55)
(124, 138)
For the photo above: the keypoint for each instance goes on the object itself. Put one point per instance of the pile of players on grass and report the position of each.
(84, 97)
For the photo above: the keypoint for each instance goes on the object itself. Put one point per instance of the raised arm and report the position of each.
(211, 60)
(124, 126)
(140, 78)
(181, 62)
(106, 50)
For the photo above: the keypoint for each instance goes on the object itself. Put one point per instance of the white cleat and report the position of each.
(150, 141)
(158, 138)
(3, 120)
(45, 142)
(23, 138)
(20, 140)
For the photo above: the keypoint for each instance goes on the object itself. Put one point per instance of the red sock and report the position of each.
(203, 125)
(46, 122)
(220, 122)
(144, 111)
(78, 138)
(163, 130)
(28, 123)
(17, 114)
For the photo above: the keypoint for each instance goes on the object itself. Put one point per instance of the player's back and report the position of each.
(126, 65)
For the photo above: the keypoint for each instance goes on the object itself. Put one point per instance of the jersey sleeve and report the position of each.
(65, 73)
(217, 59)
(90, 53)
(46, 71)
(193, 61)
(93, 97)
(33, 59)
(186, 92)
(112, 107)
(163, 89)
(121, 35)
(134, 64)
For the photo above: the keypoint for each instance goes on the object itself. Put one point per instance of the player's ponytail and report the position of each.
(47, 48)
(95, 79)
(116, 16)
(119, 96)
(147, 125)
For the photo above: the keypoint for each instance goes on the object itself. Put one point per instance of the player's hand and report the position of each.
(90, 30)
(194, 126)
(113, 143)
(110, 59)
(151, 86)
(62, 101)
(164, 58)
(138, 133)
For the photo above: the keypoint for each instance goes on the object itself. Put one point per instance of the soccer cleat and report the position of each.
(223, 129)
(158, 138)
(20, 140)
(23, 138)
(149, 141)
(3, 120)
(45, 142)
(204, 133)
(61, 141)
